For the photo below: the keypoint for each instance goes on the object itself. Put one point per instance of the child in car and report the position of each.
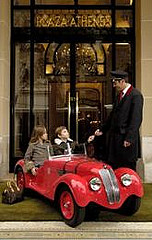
(38, 150)
(63, 139)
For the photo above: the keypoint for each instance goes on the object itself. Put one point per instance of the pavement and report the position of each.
(87, 230)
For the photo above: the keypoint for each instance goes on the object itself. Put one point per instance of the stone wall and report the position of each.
(4, 86)
(146, 81)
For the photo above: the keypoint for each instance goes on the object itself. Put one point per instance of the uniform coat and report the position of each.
(123, 124)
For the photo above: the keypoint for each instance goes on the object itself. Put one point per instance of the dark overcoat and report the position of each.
(123, 124)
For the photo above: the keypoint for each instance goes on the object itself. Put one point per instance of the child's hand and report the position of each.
(98, 132)
(34, 171)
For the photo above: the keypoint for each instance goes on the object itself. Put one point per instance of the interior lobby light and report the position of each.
(131, 2)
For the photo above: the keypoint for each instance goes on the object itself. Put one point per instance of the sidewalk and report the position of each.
(87, 230)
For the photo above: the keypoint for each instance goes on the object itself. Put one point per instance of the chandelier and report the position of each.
(89, 59)
(85, 59)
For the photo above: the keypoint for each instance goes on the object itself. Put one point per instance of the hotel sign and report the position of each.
(81, 19)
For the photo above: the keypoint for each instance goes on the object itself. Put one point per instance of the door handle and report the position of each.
(69, 111)
(77, 112)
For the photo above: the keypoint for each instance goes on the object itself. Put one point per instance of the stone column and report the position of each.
(144, 77)
(4, 86)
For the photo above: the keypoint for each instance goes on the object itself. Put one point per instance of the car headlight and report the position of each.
(126, 179)
(95, 183)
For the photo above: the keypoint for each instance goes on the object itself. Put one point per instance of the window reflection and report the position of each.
(21, 18)
(22, 97)
(21, 2)
(55, 2)
(123, 58)
(124, 19)
(71, 2)
(40, 86)
(124, 2)
(94, 2)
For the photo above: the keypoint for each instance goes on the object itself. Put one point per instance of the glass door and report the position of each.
(71, 87)
(77, 78)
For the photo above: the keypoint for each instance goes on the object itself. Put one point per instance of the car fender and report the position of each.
(136, 188)
(78, 186)
(20, 164)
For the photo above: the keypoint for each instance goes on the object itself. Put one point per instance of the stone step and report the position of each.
(87, 230)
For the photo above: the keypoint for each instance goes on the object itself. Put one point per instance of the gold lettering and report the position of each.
(38, 21)
(91, 21)
(84, 21)
(64, 22)
(96, 21)
(50, 22)
(108, 22)
(101, 20)
(67, 20)
(78, 21)
(73, 22)
(57, 21)
(45, 20)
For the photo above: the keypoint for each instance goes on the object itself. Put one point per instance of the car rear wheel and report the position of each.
(130, 206)
(20, 179)
(72, 214)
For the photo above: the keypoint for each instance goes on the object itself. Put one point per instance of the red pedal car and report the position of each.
(82, 185)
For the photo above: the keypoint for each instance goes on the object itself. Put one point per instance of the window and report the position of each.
(21, 2)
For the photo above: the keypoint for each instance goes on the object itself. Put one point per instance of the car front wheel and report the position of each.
(130, 206)
(72, 214)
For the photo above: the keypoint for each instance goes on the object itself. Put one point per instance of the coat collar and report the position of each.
(124, 98)
(58, 141)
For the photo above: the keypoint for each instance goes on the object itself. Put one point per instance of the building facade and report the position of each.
(55, 60)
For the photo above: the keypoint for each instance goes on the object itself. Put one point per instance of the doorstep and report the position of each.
(9, 176)
(87, 230)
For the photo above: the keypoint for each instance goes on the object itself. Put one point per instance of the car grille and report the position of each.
(110, 184)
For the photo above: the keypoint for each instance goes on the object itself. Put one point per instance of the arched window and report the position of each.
(90, 59)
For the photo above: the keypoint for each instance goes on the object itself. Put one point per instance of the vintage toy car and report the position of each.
(80, 184)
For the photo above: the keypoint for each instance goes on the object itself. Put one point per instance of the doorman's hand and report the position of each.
(126, 144)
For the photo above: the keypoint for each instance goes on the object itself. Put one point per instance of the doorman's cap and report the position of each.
(119, 74)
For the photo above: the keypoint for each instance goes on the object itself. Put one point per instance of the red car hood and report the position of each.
(83, 165)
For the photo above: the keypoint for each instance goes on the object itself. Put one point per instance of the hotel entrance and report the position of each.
(76, 87)
(61, 58)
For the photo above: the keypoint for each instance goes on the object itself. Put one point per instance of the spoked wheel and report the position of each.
(20, 179)
(72, 213)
